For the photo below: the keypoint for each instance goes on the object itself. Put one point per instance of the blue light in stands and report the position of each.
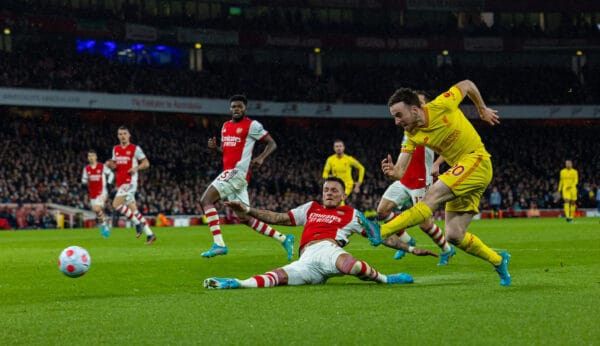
(137, 46)
(160, 47)
(85, 45)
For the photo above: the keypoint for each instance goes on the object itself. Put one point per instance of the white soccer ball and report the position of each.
(74, 261)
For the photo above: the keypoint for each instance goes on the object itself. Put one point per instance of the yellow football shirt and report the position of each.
(446, 130)
(568, 178)
(341, 167)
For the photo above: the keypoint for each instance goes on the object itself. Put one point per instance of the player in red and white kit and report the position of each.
(127, 160)
(417, 178)
(327, 228)
(238, 137)
(97, 176)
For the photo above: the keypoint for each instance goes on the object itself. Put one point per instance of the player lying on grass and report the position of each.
(327, 227)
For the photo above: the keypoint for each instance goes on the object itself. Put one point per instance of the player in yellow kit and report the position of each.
(567, 186)
(340, 165)
(442, 126)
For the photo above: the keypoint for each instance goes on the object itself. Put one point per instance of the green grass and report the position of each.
(137, 294)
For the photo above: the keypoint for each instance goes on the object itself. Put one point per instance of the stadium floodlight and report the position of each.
(579, 53)
(445, 52)
(198, 46)
(6, 31)
(317, 50)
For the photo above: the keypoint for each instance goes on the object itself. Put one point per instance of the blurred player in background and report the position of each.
(567, 186)
(442, 126)
(238, 137)
(416, 180)
(127, 160)
(97, 176)
(327, 227)
(340, 165)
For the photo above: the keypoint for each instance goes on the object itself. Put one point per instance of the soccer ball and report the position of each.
(74, 261)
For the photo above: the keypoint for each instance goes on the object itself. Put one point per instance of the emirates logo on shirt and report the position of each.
(239, 130)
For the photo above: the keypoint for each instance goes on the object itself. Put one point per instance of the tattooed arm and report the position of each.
(267, 216)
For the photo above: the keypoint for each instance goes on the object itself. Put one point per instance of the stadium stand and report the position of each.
(43, 156)
(43, 149)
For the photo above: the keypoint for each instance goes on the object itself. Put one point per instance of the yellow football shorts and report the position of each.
(570, 194)
(468, 180)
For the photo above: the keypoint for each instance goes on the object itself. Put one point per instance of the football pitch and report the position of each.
(153, 295)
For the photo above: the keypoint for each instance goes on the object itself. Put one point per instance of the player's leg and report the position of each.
(143, 223)
(420, 212)
(434, 231)
(456, 231)
(567, 208)
(287, 241)
(98, 208)
(437, 236)
(99, 214)
(572, 203)
(348, 265)
(209, 198)
(396, 194)
(276, 277)
(121, 202)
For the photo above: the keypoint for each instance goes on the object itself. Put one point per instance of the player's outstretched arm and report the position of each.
(267, 216)
(394, 242)
(469, 89)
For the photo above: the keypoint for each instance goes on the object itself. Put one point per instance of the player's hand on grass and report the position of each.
(489, 115)
(237, 206)
(422, 252)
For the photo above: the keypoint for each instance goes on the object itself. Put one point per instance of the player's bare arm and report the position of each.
(469, 89)
(394, 242)
(396, 171)
(435, 168)
(267, 216)
(144, 164)
(269, 148)
(212, 145)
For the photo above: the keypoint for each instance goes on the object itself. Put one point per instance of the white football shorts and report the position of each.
(232, 186)
(100, 200)
(316, 265)
(398, 193)
(127, 190)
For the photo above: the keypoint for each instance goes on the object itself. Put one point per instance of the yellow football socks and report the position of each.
(572, 208)
(567, 208)
(473, 245)
(413, 216)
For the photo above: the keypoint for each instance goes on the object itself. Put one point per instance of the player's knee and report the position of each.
(382, 213)
(282, 277)
(454, 237)
(349, 265)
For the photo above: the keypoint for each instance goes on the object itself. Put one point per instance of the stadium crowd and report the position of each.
(55, 68)
(43, 157)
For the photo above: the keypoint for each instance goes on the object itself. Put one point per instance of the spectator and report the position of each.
(495, 201)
